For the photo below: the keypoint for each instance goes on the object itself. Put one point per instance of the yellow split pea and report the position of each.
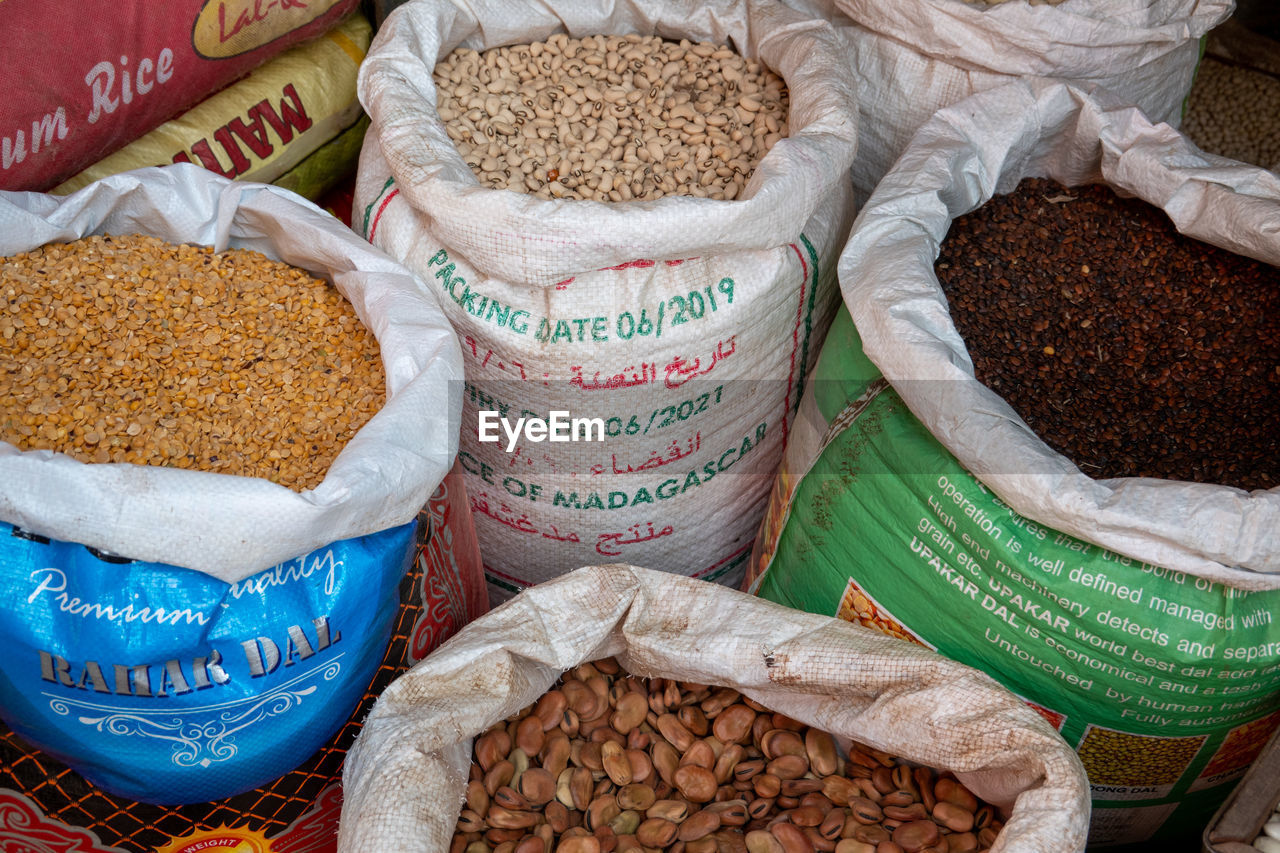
(131, 349)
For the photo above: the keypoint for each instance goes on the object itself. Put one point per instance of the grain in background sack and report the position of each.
(914, 57)
(406, 775)
(1136, 612)
(83, 81)
(260, 127)
(684, 325)
(179, 635)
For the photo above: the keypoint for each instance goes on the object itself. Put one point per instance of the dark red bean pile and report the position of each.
(1132, 350)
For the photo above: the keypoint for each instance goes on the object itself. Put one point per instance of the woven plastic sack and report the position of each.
(264, 125)
(912, 58)
(685, 325)
(180, 635)
(405, 777)
(1135, 611)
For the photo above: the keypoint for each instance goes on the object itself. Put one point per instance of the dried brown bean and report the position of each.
(656, 832)
(530, 735)
(701, 754)
(675, 732)
(916, 834)
(699, 825)
(800, 787)
(833, 823)
(509, 798)
(948, 790)
(792, 839)
(953, 817)
(698, 784)
(614, 761)
(636, 796)
(850, 845)
(779, 742)
(692, 718)
(788, 766)
(762, 841)
(498, 775)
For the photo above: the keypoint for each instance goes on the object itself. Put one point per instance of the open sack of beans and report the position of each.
(912, 58)
(631, 214)
(1045, 444)
(223, 412)
(609, 761)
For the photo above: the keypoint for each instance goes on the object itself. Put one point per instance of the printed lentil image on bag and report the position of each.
(125, 348)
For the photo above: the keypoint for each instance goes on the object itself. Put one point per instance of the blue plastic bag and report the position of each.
(166, 685)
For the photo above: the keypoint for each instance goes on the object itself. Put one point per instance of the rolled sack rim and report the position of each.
(555, 239)
(826, 673)
(983, 146)
(1100, 40)
(198, 519)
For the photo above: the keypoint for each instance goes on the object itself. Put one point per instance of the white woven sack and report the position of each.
(686, 325)
(225, 526)
(913, 57)
(404, 780)
(985, 146)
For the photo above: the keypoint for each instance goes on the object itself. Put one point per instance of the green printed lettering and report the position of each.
(690, 480)
(468, 298)
(562, 331)
(438, 258)
(617, 500)
(561, 500)
(671, 492)
(593, 502)
(599, 329)
(519, 322)
(445, 274)
(499, 312)
(642, 497)
(544, 330)
(708, 471)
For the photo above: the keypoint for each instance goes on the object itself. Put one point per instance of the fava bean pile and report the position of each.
(1132, 350)
(608, 762)
(611, 118)
(130, 349)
